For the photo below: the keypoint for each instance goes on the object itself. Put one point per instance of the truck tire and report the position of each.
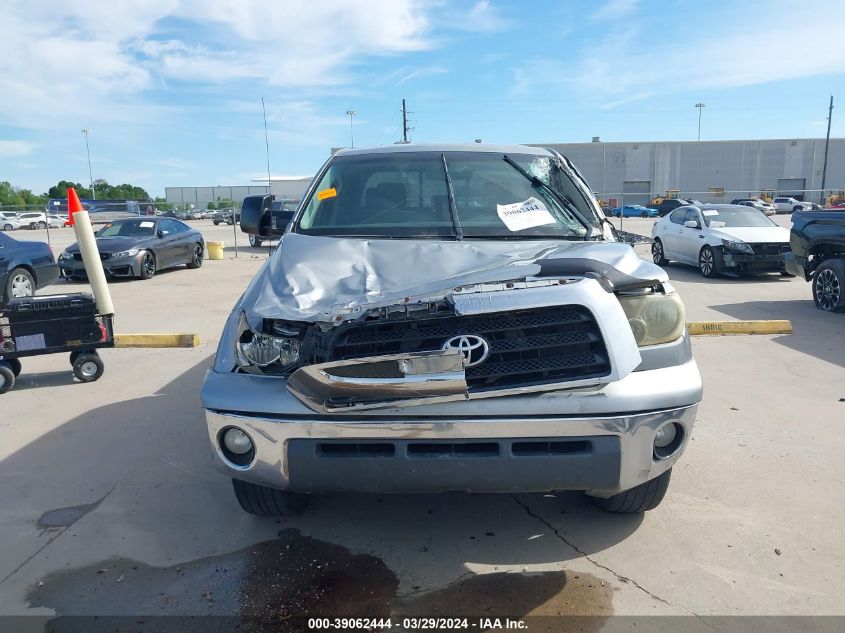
(641, 498)
(263, 501)
(829, 286)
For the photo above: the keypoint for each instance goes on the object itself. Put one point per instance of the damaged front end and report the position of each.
(474, 341)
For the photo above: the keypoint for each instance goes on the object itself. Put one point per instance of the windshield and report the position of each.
(407, 195)
(735, 217)
(130, 228)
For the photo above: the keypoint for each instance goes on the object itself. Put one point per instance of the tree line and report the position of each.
(11, 196)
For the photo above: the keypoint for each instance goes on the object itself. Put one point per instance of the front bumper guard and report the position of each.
(398, 380)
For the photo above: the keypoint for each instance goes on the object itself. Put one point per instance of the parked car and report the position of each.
(24, 267)
(790, 205)
(139, 247)
(720, 238)
(766, 207)
(668, 205)
(39, 220)
(399, 337)
(818, 254)
(11, 222)
(634, 211)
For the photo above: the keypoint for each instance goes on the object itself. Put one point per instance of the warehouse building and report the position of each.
(282, 187)
(712, 171)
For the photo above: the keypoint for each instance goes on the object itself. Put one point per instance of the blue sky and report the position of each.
(171, 89)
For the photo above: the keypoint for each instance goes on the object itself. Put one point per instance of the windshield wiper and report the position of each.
(453, 208)
(557, 194)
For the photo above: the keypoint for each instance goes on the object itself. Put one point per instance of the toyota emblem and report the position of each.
(474, 349)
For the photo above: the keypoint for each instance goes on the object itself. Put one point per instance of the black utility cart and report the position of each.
(53, 324)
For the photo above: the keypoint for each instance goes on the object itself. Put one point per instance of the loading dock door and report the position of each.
(792, 187)
(636, 192)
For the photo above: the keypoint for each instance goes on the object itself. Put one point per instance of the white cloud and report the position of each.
(10, 149)
(622, 69)
(615, 9)
(67, 62)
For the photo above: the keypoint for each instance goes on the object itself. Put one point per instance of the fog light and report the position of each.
(237, 442)
(665, 435)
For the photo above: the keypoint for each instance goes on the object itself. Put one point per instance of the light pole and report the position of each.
(700, 107)
(86, 132)
(351, 114)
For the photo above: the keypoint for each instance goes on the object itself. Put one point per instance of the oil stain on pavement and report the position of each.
(296, 575)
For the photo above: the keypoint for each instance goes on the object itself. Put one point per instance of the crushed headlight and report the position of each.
(737, 246)
(130, 253)
(654, 318)
(262, 350)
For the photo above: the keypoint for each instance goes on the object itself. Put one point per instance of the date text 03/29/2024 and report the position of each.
(416, 624)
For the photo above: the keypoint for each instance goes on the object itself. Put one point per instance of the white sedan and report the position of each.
(720, 238)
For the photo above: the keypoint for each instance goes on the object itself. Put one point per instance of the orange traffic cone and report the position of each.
(73, 204)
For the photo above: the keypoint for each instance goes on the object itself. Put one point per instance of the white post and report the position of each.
(93, 264)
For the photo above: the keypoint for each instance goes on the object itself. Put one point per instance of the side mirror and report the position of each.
(255, 215)
(161, 233)
(692, 224)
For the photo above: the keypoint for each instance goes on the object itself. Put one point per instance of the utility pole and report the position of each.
(86, 132)
(267, 147)
(700, 107)
(351, 114)
(404, 123)
(826, 143)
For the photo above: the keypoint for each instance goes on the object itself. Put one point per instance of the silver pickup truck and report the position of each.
(451, 318)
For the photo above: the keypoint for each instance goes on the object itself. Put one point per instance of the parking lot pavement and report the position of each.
(112, 507)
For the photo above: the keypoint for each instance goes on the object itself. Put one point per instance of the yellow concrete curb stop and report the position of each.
(156, 340)
(714, 328)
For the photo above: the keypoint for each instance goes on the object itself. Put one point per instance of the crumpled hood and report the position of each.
(312, 278)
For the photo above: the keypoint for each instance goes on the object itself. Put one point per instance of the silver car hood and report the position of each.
(327, 279)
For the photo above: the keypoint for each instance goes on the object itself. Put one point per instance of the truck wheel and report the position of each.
(263, 501)
(254, 240)
(829, 286)
(657, 253)
(710, 262)
(641, 498)
(88, 367)
(7, 378)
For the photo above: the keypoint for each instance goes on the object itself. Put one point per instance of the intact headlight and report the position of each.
(739, 247)
(130, 253)
(65, 255)
(655, 318)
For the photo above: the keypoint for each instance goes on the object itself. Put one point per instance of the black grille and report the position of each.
(770, 248)
(78, 256)
(559, 343)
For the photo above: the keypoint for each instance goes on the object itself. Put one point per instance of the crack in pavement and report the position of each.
(619, 577)
(51, 539)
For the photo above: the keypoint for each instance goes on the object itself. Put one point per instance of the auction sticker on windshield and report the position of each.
(147, 225)
(524, 215)
(326, 193)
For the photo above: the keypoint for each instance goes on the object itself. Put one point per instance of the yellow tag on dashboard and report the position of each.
(326, 193)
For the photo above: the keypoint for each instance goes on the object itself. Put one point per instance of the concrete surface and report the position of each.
(110, 505)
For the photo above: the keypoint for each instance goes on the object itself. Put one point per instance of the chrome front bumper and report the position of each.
(617, 423)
